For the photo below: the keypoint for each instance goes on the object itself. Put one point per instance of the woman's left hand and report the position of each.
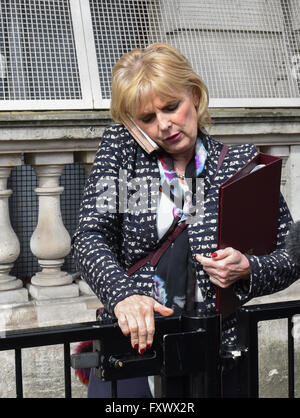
(225, 266)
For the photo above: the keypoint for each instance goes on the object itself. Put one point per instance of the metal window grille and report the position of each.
(38, 59)
(73, 179)
(59, 53)
(119, 26)
(248, 53)
(243, 50)
(23, 206)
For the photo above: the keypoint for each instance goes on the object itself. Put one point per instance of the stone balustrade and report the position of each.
(48, 141)
(50, 242)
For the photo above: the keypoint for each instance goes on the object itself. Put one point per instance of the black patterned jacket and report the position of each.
(106, 244)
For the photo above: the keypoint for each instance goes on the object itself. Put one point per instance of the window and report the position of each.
(39, 64)
(58, 54)
(243, 50)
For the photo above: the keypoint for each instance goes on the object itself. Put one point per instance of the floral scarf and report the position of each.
(174, 279)
(171, 184)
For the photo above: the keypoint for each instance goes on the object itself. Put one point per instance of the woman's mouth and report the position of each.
(174, 138)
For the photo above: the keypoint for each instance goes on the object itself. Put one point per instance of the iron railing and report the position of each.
(248, 320)
(186, 352)
(182, 348)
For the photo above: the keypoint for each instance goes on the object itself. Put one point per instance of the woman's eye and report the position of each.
(148, 118)
(172, 106)
(169, 108)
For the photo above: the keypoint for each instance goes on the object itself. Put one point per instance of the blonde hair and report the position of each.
(160, 67)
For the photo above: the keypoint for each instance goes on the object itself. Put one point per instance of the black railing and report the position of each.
(182, 348)
(248, 319)
(38, 337)
(186, 351)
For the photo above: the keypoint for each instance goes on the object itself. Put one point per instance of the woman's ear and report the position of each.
(196, 97)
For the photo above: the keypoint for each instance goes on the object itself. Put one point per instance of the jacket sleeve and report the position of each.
(96, 242)
(274, 272)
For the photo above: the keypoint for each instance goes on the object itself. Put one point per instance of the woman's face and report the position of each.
(171, 123)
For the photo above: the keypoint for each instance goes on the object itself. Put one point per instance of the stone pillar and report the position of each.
(294, 167)
(50, 241)
(282, 151)
(11, 288)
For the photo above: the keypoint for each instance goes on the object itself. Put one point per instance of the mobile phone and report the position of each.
(139, 135)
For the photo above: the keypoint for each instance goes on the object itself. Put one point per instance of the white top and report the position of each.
(164, 218)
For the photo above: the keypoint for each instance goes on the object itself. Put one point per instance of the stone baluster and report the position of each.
(11, 288)
(50, 241)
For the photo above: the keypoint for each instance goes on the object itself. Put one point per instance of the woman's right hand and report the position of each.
(135, 316)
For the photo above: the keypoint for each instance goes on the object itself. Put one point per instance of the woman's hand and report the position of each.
(136, 319)
(225, 266)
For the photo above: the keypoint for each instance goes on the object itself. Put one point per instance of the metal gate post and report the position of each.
(199, 354)
(248, 363)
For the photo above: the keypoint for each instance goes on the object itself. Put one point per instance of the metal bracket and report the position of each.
(85, 360)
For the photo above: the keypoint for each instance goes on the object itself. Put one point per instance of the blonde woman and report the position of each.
(156, 91)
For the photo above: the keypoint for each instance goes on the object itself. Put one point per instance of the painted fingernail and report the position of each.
(142, 350)
(214, 255)
(135, 346)
(148, 346)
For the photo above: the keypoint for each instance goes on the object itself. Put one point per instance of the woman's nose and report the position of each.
(164, 122)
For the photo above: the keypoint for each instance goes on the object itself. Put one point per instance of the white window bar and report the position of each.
(91, 63)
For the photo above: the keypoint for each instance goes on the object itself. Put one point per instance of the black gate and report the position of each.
(186, 353)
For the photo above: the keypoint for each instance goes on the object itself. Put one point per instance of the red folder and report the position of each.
(248, 215)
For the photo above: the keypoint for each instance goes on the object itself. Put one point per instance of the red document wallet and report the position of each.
(248, 215)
